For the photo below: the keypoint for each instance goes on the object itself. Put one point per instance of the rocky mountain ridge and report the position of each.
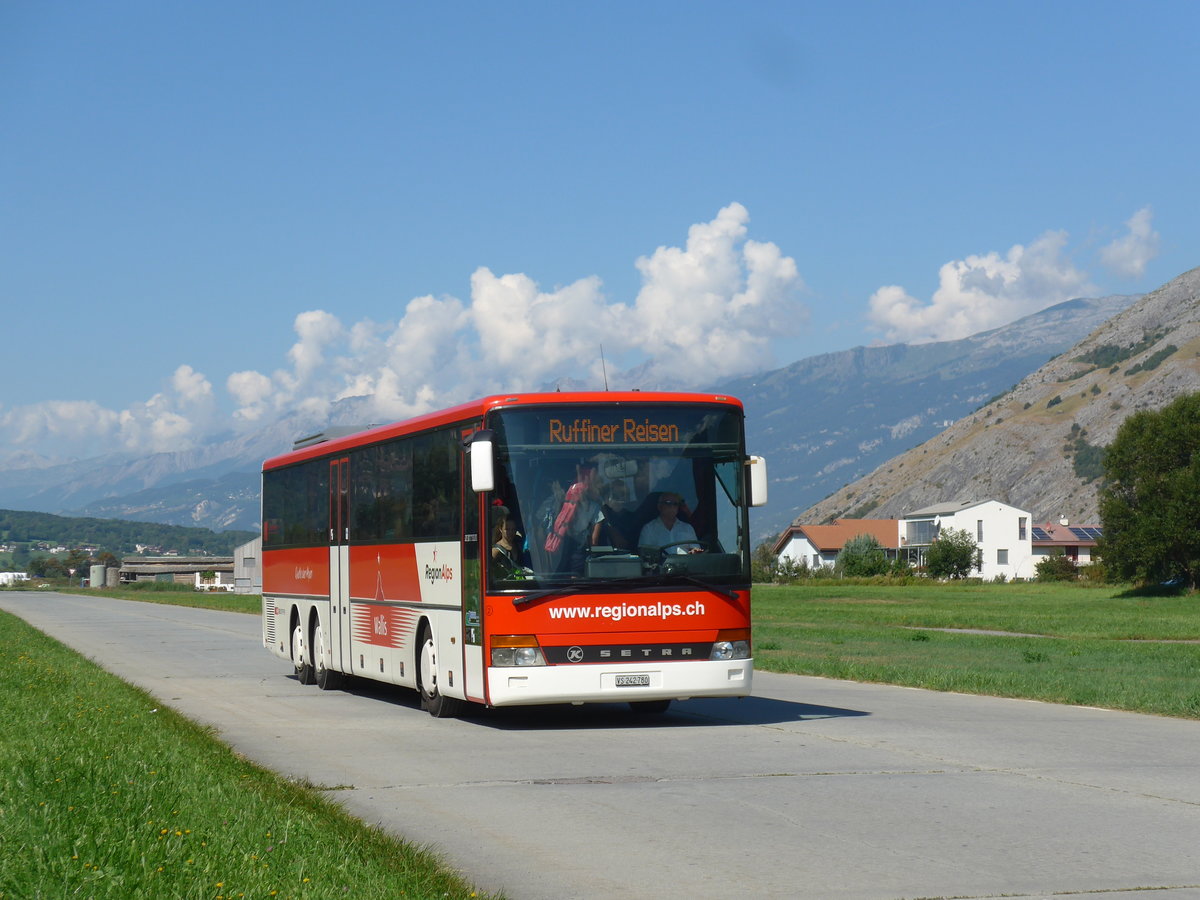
(1037, 446)
(827, 420)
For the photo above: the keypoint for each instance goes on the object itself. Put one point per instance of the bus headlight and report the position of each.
(731, 644)
(516, 650)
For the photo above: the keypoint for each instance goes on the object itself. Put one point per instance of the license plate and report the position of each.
(633, 681)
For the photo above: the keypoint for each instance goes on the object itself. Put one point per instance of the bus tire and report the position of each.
(649, 707)
(433, 701)
(327, 679)
(304, 669)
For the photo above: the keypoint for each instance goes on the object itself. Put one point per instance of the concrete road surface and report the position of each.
(810, 788)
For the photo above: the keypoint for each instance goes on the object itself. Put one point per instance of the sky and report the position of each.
(213, 214)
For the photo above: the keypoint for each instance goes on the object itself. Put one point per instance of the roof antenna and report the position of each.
(603, 367)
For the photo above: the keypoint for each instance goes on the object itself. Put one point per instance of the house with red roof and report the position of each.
(1077, 542)
(819, 545)
(1008, 545)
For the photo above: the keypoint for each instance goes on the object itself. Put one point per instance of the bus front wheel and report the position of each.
(304, 669)
(433, 700)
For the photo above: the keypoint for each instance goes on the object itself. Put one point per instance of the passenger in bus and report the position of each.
(616, 524)
(507, 556)
(668, 528)
(572, 527)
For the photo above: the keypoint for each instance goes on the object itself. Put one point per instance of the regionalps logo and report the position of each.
(304, 573)
(434, 574)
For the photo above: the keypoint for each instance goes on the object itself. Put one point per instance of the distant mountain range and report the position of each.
(119, 537)
(1038, 446)
(821, 422)
(828, 420)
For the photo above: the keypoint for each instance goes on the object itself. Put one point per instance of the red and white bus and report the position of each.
(498, 553)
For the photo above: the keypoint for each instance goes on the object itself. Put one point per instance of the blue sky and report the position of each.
(215, 213)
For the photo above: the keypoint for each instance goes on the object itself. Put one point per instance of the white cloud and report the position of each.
(250, 391)
(154, 428)
(1128, 255)
(316, 330)
(59, 420)
(705, 311)
(191, 386)
(527, 337)
(981, 292)
(709, 310)
(170, 420)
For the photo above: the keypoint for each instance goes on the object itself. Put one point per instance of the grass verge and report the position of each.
(106, 793)
(1063, 643)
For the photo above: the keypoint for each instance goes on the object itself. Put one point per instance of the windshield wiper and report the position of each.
(728, 593)
(581, 587)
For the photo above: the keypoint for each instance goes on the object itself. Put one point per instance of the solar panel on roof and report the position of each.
(1039, 534)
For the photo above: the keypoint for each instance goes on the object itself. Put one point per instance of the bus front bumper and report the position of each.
(625, 683)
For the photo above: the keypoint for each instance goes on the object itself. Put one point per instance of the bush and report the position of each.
(790, 569)
(1057, 568)
(159, 587)
(861, 556)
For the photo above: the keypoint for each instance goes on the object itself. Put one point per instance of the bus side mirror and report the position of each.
(758, 480)
(479, 450)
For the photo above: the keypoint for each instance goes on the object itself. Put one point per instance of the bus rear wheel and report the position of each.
(433, 700)
(304, 669)
(326, 678)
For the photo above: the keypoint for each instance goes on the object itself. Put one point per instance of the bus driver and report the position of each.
(668, 529)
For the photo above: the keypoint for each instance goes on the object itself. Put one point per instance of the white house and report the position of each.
(819, 545)
(1003, 534)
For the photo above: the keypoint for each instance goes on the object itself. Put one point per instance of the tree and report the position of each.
(1150, 502)
(953, 554)
(861, 556)
(46, 567)
(763, 563)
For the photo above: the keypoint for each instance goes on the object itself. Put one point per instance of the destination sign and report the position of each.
(627, 431)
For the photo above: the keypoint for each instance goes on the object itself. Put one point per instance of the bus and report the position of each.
(528, 549)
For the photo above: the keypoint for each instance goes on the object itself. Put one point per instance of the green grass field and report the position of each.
(1064, 643)
(106, 793)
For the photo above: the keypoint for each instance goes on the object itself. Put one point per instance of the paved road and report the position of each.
(811, 788)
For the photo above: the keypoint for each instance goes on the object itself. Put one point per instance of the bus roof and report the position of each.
(477, 408)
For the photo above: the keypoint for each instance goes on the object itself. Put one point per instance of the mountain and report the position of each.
(228, 501)
(821, 422)
(212, 486)
(827, 420)
(1038, 446)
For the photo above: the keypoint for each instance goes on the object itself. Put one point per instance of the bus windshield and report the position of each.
(644, 494)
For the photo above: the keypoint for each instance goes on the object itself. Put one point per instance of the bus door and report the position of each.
(476, 540)
(337, 628)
